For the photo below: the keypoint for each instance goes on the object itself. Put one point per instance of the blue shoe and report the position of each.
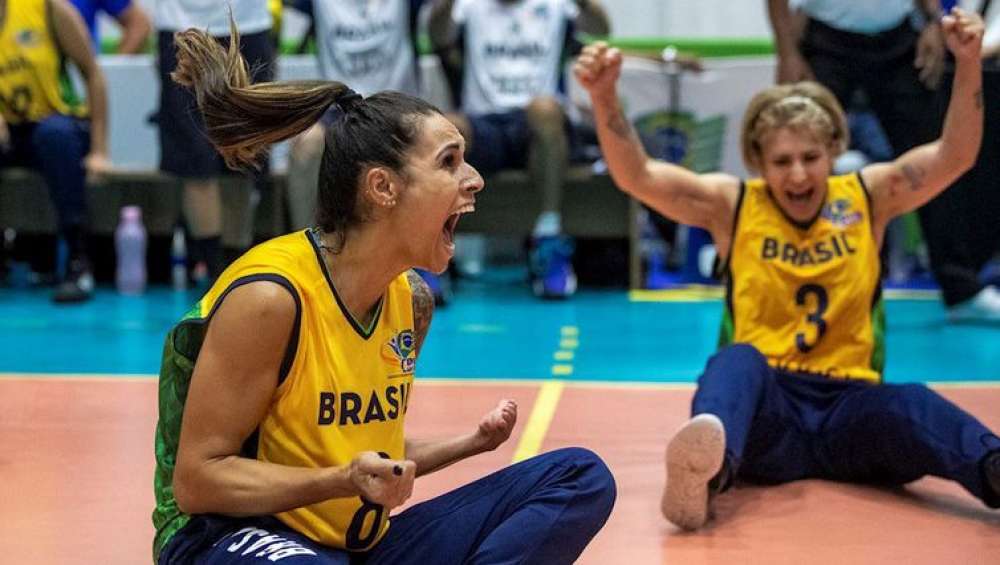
(440, 285)
(551, 267)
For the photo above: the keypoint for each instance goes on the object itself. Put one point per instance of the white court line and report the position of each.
(454, 381)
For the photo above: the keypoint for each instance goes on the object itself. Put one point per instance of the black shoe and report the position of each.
(78, 286)
(992, 470)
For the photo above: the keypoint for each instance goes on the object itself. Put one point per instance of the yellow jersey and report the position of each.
(343, 388)
(33, 80)
(807, 296)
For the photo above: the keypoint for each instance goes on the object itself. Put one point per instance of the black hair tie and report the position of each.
(349, 100)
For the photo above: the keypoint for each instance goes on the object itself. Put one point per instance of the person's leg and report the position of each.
(238, 225)
(303, 176)
(745, 425)
(220, 540)
(548, 156)
(542, 510)
(201, 202)
(59, 144)
(894, 434)
(540, 130)
(186, 152)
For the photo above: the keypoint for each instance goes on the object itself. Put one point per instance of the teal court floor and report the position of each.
(609, 370)
(496, 330)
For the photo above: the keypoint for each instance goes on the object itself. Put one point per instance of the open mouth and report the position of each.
(800, 197)
(451, 224)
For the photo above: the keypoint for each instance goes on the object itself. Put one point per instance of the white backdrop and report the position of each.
(673, 18)
(724, 88)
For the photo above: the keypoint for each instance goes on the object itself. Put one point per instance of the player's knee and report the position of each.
(592, 475)
(545, 116)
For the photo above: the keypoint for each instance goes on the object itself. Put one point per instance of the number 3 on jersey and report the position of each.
(814, 316)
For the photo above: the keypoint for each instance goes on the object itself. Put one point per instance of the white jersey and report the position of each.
(513, 51)
(366, 44)
(251, 16)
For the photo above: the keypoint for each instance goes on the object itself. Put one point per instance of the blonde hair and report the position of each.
(805, 106)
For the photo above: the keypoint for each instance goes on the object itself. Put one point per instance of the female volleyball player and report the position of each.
(284, 391)
(796, 392)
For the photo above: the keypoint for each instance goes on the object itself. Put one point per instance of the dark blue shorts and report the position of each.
(542, 510)
(185, 150)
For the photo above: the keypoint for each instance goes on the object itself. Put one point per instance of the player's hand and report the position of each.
(388, 482)
(793, 67)
(930, 55)
(963, 33)
(496, 426)
(97, 167)
(598, 67)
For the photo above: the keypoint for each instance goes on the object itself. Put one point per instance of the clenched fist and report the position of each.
(598, 68)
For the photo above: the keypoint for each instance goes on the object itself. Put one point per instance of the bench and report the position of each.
(592, 206)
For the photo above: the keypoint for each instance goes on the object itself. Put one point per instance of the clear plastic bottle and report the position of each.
(130, 248)
(178, 260)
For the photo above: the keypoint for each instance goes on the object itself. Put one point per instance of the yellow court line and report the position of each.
(562, 369)
(538, 422)
(563, 355)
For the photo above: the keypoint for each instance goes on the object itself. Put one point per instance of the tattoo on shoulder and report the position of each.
(914, 176)
(423, 307)
(619, 125)
(979, 99)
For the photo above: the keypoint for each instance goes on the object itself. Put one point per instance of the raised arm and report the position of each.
(706, 201)
(233, 385)
(74, 42)
(433, 454)
(922, 173)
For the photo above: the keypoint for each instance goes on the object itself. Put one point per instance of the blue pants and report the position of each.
(56, 147)
(782, 427)
(543, 510)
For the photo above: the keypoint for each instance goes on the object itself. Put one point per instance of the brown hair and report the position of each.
(805, 106)
(243, 119)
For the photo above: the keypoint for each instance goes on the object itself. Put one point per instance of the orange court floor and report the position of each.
(76, 469)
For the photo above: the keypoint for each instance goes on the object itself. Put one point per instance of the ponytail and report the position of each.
(241, 119)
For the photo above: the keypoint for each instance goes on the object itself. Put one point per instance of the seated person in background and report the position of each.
(284, 392)
(39, 129)
(185, 151)
(132, 19)
(511, 55)
(797, 390)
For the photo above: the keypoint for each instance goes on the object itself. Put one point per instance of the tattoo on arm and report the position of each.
(979, 99)
(423, 308)
(914, 176)
(619, 125)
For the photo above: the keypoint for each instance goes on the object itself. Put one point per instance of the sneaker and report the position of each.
(983, 307)
(440, 286)
(694, 456)
(78, 285)
(550, 264)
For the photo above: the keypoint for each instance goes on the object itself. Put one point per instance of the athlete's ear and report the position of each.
(380, 187)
